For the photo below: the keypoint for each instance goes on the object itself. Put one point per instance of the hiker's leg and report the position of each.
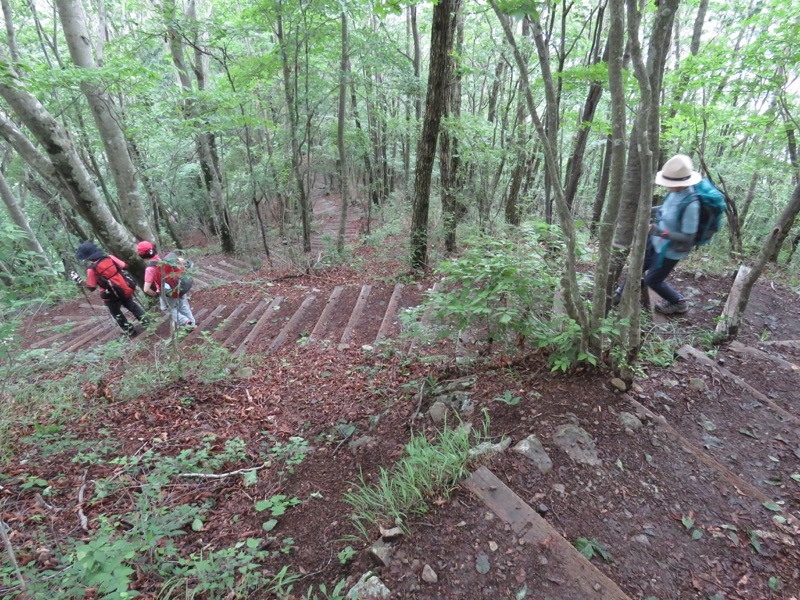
(115, 308)
(172, 309)
(655, 280)
(649, 256)
(185, 311)
(135, 309)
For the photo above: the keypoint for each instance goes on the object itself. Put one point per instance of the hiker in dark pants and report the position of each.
(116, 288)
(671, 237)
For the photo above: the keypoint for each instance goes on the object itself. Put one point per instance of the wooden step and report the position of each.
(220, 273)
(245, 323)
(333, 301)
(581, 578)
(94, 333)
(292, 324)
(355, 317)
(203, 322)
(49, 341)
(784, 364)
(236, 266)
(272, 309)
(390, 316)
(228, 323)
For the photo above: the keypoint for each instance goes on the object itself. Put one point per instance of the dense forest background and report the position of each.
(136, 120)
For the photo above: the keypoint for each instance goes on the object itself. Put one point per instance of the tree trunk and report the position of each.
(107, 119)
(631, 189)
(783, 223)
(72, 174)
(442, 35)
(602, 184)
(20, 220)
(343, 78)
(449, 159)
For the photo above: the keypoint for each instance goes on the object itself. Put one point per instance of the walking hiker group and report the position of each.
(164, 278)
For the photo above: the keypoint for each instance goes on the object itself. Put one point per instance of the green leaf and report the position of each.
(795, 477)
(755, 542)
(197, 524)
(250, 478)
(774, 583)
(253, 543)
(263, 505)
(619, 465)
(696, 534)
(269, 525)
(770, 505)
(747, 432)
(687, 521)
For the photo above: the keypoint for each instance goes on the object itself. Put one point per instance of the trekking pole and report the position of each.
(79, 282)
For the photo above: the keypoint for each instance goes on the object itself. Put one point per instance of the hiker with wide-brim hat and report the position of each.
(671, 237)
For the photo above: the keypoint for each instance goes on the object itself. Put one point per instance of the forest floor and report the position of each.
(686, 486)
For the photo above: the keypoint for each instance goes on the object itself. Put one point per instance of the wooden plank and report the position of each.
(228, 322)
(90, 335)
(326, 313)
(236, 267)
(726, 318)
(391, 312)
(740, 348)
(355, 316)
(49, 341)
(245, 322)
(202, 324)
(795, 344)
(690, 353)
(297, 317)
(732, 479)
(219, 273)
(581, 576)
(259, 326)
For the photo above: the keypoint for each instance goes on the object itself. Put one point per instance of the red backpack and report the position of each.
(117, 282)
(175, 283)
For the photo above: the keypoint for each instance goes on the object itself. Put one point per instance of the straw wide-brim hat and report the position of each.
(678, 171)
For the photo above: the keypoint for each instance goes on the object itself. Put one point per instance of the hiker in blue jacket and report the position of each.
(671, 237)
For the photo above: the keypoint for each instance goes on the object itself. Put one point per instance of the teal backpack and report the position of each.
(712, 211)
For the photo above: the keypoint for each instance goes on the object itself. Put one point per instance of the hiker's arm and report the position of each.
(689, 223)
(148, 289)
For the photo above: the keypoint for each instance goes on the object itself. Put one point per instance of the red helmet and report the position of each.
(145, 249)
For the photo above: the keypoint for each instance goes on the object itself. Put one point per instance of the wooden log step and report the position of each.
(244, 324)
(784, 364)
(235, 263)
(292, 324)
(322, 322)
(390, 316)
(228, 323)
(690, 353)
(236, 266)
(49, 341)
(272, 309)
(795, 344)
(93, 334)
(730, 478)
(355, 316)
(581, 578)
(219, 273)
(203, 322)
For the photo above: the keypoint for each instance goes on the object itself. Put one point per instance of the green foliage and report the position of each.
(428, 470)
(590, 548)
(508, 398)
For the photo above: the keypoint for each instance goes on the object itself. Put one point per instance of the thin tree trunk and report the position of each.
(449, 159)
(442, 35)
(343, 166)
(21, 220)
(783, 223)
(107, 119)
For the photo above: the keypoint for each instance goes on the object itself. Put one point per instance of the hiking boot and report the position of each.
(669, 308)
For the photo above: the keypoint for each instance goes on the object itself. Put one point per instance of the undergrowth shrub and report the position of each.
(430, 469)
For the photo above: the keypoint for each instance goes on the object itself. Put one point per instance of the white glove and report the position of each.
(75, 277)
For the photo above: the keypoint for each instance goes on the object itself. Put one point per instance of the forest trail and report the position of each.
(689, 479)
